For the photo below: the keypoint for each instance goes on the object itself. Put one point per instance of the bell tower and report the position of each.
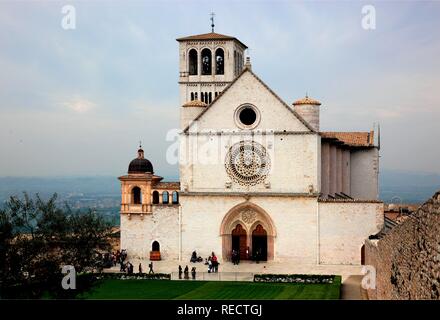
(207, 64)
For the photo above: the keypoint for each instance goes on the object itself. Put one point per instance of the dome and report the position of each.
(307, 100)
(140, 164)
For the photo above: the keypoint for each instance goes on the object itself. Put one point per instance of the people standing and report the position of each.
(140, 268)
(214, 262)
(180, 272)
(209, 264)
(186, 272)
(193, 273)
(151, 268)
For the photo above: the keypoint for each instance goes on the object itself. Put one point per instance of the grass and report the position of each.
(201, 290)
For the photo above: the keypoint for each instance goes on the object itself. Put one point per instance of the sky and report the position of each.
(76, 102)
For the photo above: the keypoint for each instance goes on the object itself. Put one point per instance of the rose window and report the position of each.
(247, 163)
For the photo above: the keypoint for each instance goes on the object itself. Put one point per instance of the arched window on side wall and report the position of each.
(210, 97)
(196, 96)
(219, 61)
(155, 246)
(136, 195)
(155, 197)
(192, 96)
(175, 197)
(206, 62)
(193, 62)
(165, 197)
(202, 97)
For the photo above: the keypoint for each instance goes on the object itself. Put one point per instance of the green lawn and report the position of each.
(163, 289)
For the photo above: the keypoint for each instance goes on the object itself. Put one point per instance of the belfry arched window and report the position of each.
(175, 197)
(165, 197)
(193, 62)
(136, 195)
(155, 197)
(206, 62)
(219, 61)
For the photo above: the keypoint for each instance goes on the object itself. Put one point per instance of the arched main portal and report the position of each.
(248, 229)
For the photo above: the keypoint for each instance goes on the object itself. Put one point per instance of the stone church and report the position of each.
(256, 173)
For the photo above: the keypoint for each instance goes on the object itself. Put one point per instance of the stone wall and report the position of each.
(407, 259)
(343, 227)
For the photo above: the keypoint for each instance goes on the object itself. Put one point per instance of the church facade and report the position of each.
(256, 174)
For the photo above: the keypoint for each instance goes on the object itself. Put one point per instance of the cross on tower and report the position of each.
(212, 14)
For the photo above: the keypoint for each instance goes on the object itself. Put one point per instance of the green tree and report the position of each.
(37, 238)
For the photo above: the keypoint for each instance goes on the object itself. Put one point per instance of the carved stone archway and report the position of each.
(248, 215)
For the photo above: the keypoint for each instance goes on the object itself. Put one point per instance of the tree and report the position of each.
(37, 238)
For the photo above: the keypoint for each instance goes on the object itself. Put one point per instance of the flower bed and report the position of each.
(296, 278)
(135, 276)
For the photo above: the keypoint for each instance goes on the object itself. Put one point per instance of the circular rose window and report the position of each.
(247, 163)
(247, 116)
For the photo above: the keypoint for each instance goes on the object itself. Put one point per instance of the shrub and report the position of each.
(296, 278)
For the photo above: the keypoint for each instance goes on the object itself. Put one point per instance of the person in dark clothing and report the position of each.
(151, 268)
(140, 268)
(194, 257)
(180, 272)
(193, 273)
(186, 272)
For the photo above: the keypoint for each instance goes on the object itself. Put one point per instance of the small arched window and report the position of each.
(193, 62)
(210, 97)
(203, 96)
(206, 62)
(155, 197)
(175, 197)
(165, 197)
(155, 246)
(136, 195)
(192, 96)
(219, 61)
(196, 96)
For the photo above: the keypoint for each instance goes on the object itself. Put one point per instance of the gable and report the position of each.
(247, 88)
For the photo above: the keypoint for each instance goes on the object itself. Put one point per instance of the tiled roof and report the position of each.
(307, 100)
(195, 103)
(167, 185)
(353, 139)
(210, 36)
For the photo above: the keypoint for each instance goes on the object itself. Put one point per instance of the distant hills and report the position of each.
(410, 187)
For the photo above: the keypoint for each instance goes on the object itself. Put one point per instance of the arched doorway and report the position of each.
(239, 241)
(243, 219)
(155, 246)
(259, 243)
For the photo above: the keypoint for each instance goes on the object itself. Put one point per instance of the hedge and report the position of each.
(297, 278)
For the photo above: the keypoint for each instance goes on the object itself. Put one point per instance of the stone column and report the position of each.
(332, 170)
(325, 169)
(346, 172)
(339, 170)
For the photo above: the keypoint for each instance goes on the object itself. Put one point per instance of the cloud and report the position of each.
(80, 105)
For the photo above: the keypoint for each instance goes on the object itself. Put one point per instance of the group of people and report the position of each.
(127, 266)
(186, 272)
(235, 257)
(211, 261)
